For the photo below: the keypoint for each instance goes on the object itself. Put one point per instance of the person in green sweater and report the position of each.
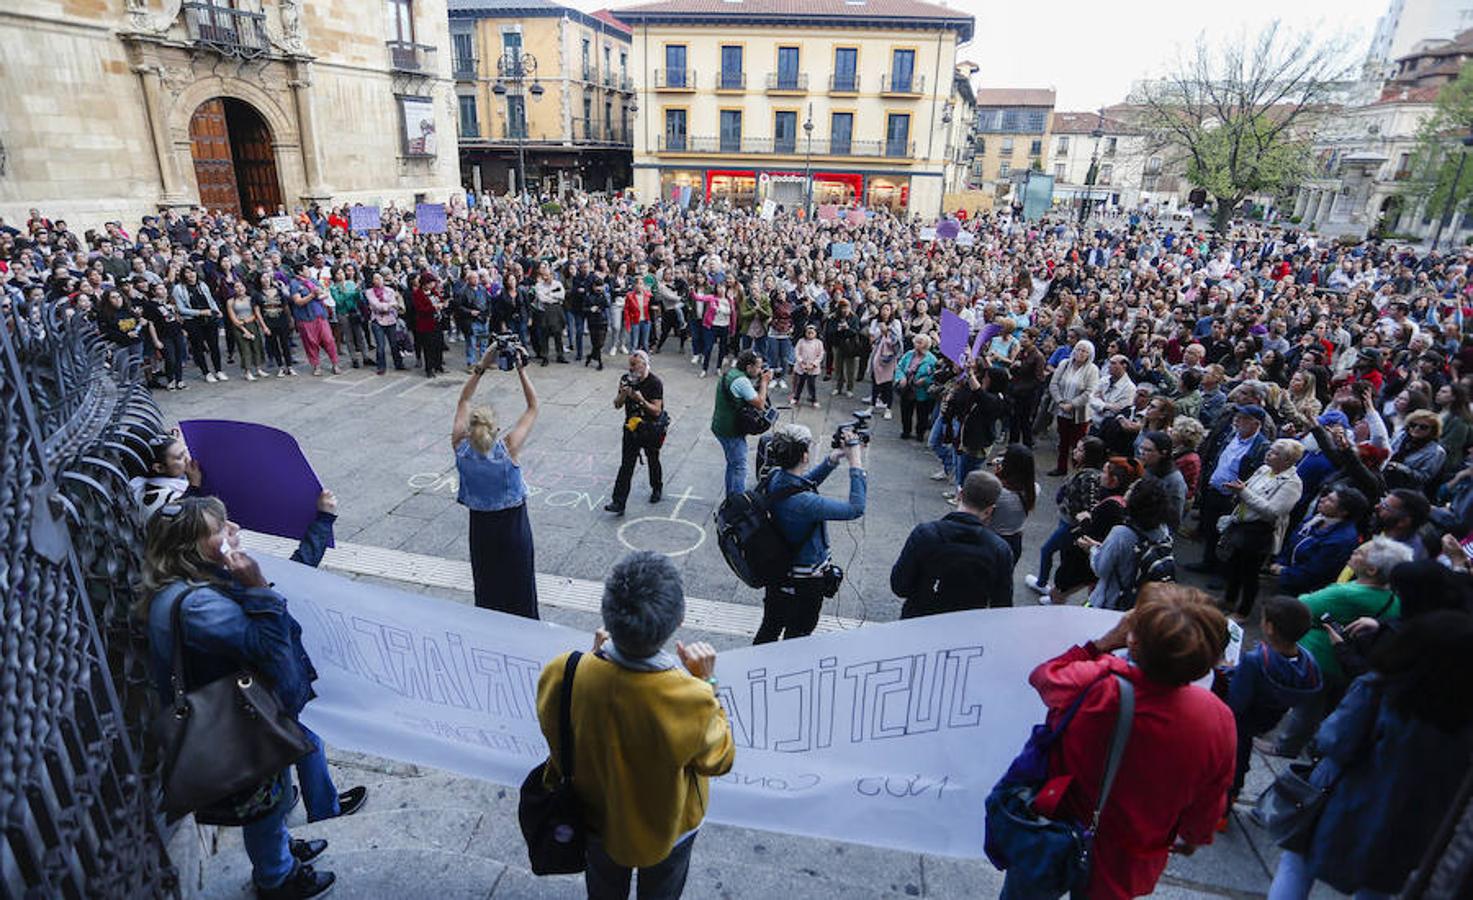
(351, 326)
(1367, 594)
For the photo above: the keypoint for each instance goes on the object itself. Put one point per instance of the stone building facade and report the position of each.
(117, 108)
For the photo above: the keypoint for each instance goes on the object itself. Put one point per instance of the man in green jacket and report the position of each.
(745, 382)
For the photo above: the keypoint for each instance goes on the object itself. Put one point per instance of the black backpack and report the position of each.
(1153, 562)
(755, 550)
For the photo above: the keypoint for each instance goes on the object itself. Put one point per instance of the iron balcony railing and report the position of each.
(675, 79)
(891, 84)
(465, 68)
(787, 81)
(731, 81)
(844, 83)
(626, 84)
(610, 79)
(797, 146)
(405, 56)
(232, 32)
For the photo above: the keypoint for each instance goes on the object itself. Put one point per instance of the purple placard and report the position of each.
(259, 473)
(430, 218)
(363, 219)
(947, 229)
(953, 336)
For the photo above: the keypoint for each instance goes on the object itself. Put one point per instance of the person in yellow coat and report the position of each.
(648, 733)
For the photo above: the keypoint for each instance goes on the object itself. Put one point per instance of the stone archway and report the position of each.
(234, 159)
(1391, 212)
(264, 139)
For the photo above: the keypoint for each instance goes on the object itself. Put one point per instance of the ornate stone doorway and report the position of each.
(234, 160)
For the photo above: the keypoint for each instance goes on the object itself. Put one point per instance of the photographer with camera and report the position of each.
(743, 384)
(491, 487)
(642, 397)
(790, 607)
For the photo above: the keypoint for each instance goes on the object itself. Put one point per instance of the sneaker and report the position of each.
(316, 371)
(782, 385)
(292, 371)
(948, 495)
(1035, 585)
(249, 377)
(939, 475)
(209, 378)
(281, 373)
(889, 414)
(180, 386)
(304, 851)
(335, 370)
(615, 508)
(817, 405)
(260, 374)
(703, 374)
(221, 376)
(303, 883)
(694, 360)
(1046, 598)
(1270, 747)
(837, 392)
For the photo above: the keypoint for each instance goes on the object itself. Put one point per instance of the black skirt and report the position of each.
(502, 561)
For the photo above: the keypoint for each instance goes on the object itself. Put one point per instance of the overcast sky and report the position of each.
(1090, 51)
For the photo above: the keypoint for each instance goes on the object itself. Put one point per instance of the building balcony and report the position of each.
(914, 86)
(675, 80)
(787, 83)
(626, 84)
(409, 57)
(799, 146)
(230, 32)
(590, 74)
(733, 82)
(464, 68)
(844, 84)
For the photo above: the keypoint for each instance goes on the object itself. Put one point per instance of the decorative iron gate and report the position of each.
(78, 802)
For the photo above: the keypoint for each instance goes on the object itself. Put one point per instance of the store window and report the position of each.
(737, 188)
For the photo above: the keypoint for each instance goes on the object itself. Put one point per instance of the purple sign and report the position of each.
(990, 331)
(430, 218)
(258, 472)
(954, 333)
(363, 219)
(948, 229)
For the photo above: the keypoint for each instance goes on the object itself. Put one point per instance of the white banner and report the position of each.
(890, 735)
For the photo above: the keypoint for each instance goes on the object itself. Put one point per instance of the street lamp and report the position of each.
(1447, 206)
(1093, 173)
(513, 70)
(808, 164)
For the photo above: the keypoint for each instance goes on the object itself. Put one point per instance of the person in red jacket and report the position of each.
(1172, 785)
(428, 302)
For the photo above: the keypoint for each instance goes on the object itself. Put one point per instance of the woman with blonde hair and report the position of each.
(491, 487)
(1258, 523)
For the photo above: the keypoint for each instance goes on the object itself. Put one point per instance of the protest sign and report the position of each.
(769, 209)
(363, 219)
(856, 217)
(954, 332)
(429, 218)
(965, 239)
(280, 224)
(841, 250)
(828, 212)
(947, 229)
(258, 471)
(890, 735)
(928, 234)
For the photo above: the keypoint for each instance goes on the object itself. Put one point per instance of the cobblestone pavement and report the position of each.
(382, 443)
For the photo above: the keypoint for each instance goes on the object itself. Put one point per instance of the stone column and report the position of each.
(169, 175)
(301, 87)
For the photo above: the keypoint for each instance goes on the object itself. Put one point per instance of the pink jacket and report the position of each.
(708, 315)
(809, 353)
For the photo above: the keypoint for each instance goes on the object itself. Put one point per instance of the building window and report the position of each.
(588, 131)
(608, 120)
(587, 60)
(841, 133)
(1058, 171)
(846, 69)
(624, 63)
(902, 70)
(989, 120)
(511, 42)
(1110, 146)
(897, 134)
(787, 68)
(1011, 120)
(1106, 172)
(465, 51)
(1037, 121)
(1007, 146)
(401, 21)
(1063, 147)
(469, 127)
(674, 129)
(1153, 166)
(608, 60)
(731, 67)
(624, 123)
(516, 117)
(1004, 170)
(981, 146)
(675, 65)
(1035, 147)
(785, 131)
(731, 131)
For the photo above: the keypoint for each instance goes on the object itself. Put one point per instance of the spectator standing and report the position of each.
(958, 562)
(1070, 388)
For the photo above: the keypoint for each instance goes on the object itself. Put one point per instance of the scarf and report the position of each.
(662, 661)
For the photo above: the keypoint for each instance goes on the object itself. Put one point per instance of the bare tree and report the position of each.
(1240, 112)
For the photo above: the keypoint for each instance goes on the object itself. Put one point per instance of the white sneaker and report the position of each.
(817, 405)
(889, 414)
(316, 371)
(948, 495)
(1035, 585)
(939, 475)
(695, 360)
(249, 377)
(281, 373)
(209, 378)
(221, 376)
(837, 392)
(1045, 599)
(782, 385)
(703, 373)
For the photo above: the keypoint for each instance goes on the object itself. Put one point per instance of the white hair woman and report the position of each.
(1070, 387)
(1259, 521)
(491, 487)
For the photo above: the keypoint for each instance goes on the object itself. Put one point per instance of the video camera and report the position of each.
(509, 351)
(858, 429)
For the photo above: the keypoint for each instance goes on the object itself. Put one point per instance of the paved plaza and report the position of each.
(382, 443)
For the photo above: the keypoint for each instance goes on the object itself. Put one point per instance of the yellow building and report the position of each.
(1012, 137)
(546, 84)
(749, 100)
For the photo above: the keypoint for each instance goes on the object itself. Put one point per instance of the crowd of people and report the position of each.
(1273, 412)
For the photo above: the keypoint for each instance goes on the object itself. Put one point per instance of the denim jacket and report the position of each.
(228, 626)
(800, 517)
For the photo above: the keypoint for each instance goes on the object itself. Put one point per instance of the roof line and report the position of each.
(543, 12)
(962, 25)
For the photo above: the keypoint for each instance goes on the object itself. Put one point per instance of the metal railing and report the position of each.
(915, 84)
(590, 74)
(610, 79)
(465, 68)
(405, 56)
(844, 84)
(80, 811)
(675, 79)
(787, 81)
(626, 84)
(731, 81)
(786, 147)
(232, 32)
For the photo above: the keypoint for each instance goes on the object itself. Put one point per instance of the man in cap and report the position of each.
(1236, 460)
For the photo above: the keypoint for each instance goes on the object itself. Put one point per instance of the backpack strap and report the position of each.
(1124, 719)
(565, 719)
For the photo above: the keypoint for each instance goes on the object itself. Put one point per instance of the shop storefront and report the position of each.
(786, 189)
(888, 192)
(737, 188)
(673, 180)
(838, 188)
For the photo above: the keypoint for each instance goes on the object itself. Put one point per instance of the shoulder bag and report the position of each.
(1049, 857)
(225, 745)
(552, 822)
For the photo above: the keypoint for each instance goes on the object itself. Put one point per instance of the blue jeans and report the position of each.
(639, 336)
(319, 794)
(574, 321)
(1293, 880)
(779, 353)
(735, 449)
(1055, 544)
(665, 880)
(944, 451)
(383, 337)
(476, 342)
(965, 463)
(700, 339)
(266, 844)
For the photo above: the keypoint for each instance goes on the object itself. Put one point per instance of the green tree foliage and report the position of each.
(1440, 145)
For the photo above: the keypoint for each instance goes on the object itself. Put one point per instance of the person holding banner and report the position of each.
(503, 566)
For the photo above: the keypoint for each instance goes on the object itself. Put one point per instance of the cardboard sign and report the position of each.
(257, 471)
(363, 219)
(429, 218)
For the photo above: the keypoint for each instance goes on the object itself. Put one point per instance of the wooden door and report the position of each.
(214, 166)
(255, 160)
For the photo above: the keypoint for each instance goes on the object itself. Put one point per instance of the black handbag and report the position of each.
(1290, 809)
(225, 745)
(552, 822)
